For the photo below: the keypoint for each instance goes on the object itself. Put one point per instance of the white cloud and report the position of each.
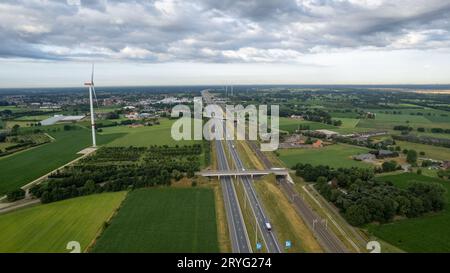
(135, 53)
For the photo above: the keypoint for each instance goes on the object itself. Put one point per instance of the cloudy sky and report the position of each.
(171, 42)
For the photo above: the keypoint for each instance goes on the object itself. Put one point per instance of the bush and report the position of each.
(15, 195)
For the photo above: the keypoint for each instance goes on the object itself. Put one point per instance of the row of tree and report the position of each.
(121, 168)
(363, 199)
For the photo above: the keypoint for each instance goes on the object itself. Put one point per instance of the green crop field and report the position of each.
(34, 118)
(290, 124)
(163, 220)
(49, 227)
(434, 152)
(23, 167)
(348, 122)
(429, 233)
(339, 155)
(146, 135)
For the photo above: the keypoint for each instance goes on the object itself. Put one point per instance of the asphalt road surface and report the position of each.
(269, 238)
(325, 236)
(238, 233)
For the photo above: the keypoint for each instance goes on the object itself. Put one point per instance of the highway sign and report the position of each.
(258, 246)
(288, 244)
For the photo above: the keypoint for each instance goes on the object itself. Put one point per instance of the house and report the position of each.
(381, 154)
(60, 118)
(129, 107)
(445, 165)
(132, 115)
(145, 115)
(327, 133)
(364, 157)
(318, 144)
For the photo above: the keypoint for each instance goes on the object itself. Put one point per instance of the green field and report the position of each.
(34, 118)
(348, 123)
(388, 121)
(434, 152)
(146, 135)
(48, 228)
(430, 233)
(23, 167)
(163, 220)
(290, 125)
(339, 155)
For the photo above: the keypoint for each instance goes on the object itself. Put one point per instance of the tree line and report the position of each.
(362, 199)
(120, 168)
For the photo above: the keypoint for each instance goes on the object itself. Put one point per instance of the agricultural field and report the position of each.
(290, 125)
(433, 152)
(429, 233)
(23, 167)
(34, 118)
(146, 135)
(338, 155)
(48, 228)
(348, 123)
(163, 220)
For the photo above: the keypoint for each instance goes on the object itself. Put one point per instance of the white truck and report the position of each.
(268, 226)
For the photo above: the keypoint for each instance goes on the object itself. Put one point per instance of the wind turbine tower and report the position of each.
(91, 93)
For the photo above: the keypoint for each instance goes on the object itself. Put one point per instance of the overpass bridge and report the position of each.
(236, 173)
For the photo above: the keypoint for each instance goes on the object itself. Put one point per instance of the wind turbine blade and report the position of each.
(95, 95)
(92, 75)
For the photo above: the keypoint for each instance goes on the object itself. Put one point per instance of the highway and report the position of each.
(325, 236)
(269, 237)
(238, 232)
(234, 215)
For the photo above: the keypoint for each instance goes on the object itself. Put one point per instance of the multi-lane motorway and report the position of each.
(269, 238)
(238, 233)
(325, 236)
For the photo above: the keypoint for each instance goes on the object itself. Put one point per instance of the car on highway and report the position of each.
(268, 226)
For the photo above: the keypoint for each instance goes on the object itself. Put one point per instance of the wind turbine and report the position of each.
(92, 92)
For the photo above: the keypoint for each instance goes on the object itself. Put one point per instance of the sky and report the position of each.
(52, 43)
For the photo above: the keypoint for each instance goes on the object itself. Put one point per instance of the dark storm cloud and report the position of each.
(216, 31)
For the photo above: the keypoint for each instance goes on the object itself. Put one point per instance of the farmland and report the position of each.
(434, 152)
(145, 136)
(163, 220)
(339, 155)
(48, 228)
(429, 233)
(290, 124)
(42, 159)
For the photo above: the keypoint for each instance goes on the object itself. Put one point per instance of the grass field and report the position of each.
(428, 233)
(48, 228)
(339, 155)
(290, 124)
(146, 135)
(23, 167)
(434, 152)
(348, 123)
(163, 220)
